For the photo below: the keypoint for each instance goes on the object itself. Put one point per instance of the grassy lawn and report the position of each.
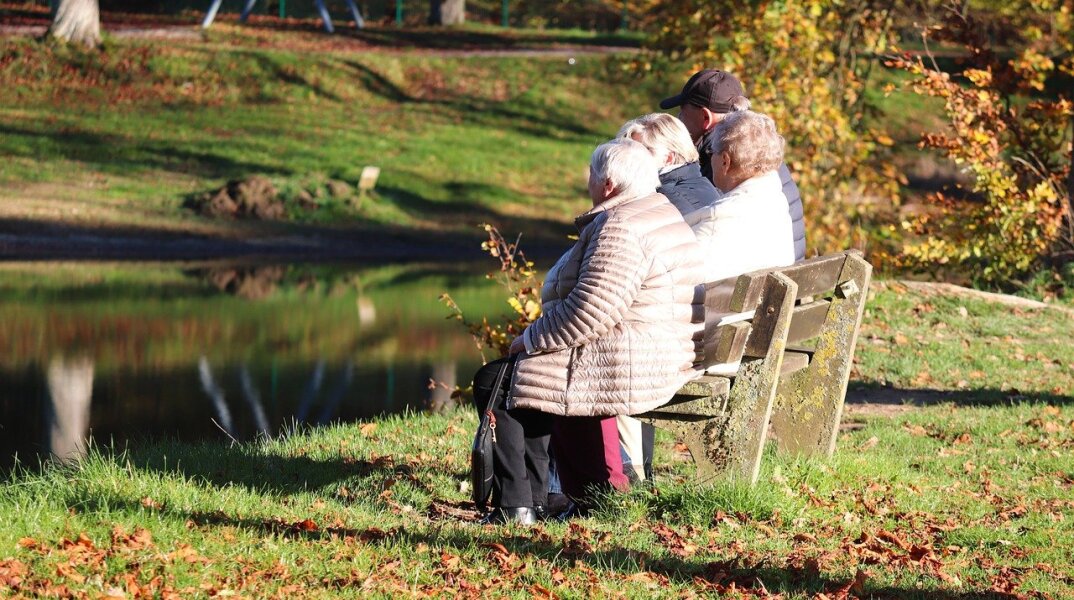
(127, 135)
(971, 496)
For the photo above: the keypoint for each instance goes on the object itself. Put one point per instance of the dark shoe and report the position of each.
(524, 515)
(556, 504)
(573, 511)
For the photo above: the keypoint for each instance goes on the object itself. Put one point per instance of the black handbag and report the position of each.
(481, 453)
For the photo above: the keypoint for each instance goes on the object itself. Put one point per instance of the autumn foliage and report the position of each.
(806, 63)
(1010, 132)
(519, 280)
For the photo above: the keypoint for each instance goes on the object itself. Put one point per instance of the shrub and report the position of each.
(1011, 134)
(806, 63)
(519, 280)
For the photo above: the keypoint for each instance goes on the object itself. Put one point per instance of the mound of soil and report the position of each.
(251, 198)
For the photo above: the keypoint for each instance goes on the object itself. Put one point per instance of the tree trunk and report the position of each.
(78, 21)
(447, 12)
(1070, 173)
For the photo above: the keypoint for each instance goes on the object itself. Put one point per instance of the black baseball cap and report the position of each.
(711, 88)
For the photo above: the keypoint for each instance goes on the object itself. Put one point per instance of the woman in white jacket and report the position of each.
(748, 228)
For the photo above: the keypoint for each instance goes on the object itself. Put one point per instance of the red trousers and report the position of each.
(587, 456)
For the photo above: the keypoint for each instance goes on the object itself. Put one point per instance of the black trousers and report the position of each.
(520, 458)
(520, 449)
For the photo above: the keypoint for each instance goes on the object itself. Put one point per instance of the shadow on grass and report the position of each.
(575, 548)
(245, 466)
(501, 114)
(124, 155)
(859, 393)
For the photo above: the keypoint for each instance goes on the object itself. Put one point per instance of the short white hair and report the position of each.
(751, 140)
(628, 165)
(663, 135)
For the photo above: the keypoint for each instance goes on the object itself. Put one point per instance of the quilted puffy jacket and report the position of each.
(623, 314)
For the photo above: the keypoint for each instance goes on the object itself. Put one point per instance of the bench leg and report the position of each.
(809, 403)
(749, 405)
(743, 437)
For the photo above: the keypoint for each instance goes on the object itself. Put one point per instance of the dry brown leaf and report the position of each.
(869, 443)
(916, 430)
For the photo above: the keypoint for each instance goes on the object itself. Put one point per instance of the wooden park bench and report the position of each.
(792, 332)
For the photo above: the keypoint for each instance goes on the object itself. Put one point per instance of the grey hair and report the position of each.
(628, 165)
(663, 135)
(739, 104)
(751, 140)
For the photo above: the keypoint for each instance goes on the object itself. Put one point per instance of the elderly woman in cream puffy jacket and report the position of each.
(748, 228)
(619, 334)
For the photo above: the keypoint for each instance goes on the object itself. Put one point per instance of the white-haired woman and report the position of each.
(749, 228)
(681, 181)
(680, 173)
(621, 313)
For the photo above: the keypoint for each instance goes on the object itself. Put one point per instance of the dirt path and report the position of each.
(343, 39)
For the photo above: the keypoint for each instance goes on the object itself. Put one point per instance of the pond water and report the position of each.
(119, 352)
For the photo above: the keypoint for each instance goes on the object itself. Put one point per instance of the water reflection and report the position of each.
(70, 391)
(120, 352)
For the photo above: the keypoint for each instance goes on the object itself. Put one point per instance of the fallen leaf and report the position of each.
(869, 443)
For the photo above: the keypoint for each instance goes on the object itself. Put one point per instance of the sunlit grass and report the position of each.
(970, 496)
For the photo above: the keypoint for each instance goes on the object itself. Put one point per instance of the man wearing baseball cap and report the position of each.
(707, 96)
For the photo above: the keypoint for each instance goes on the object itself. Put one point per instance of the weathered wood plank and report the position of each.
(807, 321)
(706, 385)
(727, 344)
(793, 361)
(814, 277)
(765, 321)
(809, 405)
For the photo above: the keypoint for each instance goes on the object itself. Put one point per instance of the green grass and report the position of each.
(126, 135)
(968, 497)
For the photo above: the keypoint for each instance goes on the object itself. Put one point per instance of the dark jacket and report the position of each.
(687, 188)
(790, 190)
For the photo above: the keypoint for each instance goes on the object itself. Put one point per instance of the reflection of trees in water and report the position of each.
(329, 409)
(442, 383)
(252, 283)
(70, 390)
(253, 400)
(216, 395)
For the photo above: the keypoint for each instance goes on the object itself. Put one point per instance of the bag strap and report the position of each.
(496, 389)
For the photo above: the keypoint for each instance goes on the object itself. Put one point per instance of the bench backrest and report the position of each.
(730, 305)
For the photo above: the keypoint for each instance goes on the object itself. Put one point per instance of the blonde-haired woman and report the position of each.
(680, 173)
